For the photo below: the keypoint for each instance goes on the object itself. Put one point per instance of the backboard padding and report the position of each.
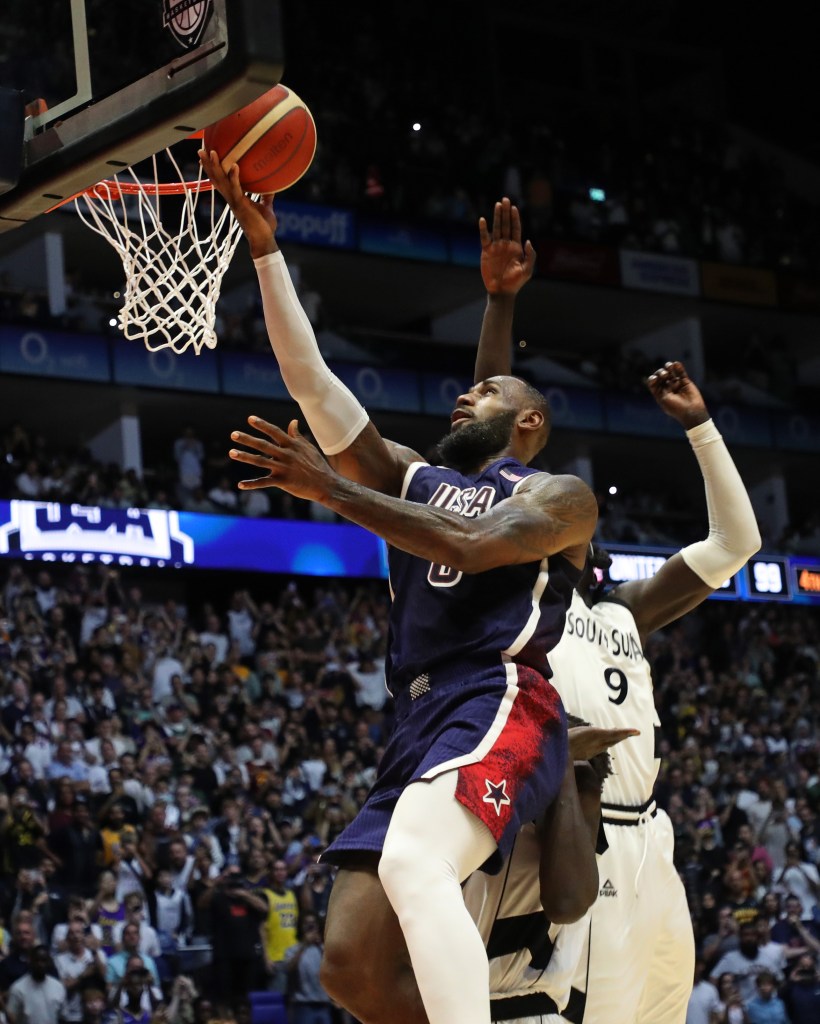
(238, 57)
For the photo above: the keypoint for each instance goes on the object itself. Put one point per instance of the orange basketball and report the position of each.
(273, 140)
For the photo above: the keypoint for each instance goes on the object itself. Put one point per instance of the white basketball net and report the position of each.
(172, 276)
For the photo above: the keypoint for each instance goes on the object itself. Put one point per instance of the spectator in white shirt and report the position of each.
(165, 668)
(173, 916)
(135, 914)
(30, 482)
(704, 1000)
(214, 634)
(37, 748)
(77, 967)
(801, 879)
(224, 496)
(36, 998)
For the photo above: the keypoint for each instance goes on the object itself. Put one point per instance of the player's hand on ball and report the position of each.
(506, 265)
(291, 462)
(255, 216)
(677, 395)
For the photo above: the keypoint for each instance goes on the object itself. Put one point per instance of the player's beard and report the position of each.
(468, 446)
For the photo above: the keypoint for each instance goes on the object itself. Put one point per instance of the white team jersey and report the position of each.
(527, 953)
(600, 671)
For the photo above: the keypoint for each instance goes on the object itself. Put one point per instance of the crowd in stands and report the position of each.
(170, 768)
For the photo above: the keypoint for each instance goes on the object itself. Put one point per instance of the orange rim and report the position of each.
(110, 189)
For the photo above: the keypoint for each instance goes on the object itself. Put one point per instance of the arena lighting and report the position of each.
(112, 322)
(416, 126)
(613, 489)
(597, 195)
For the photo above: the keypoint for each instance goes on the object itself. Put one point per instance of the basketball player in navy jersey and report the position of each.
(484, 554)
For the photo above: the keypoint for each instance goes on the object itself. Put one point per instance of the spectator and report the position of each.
(80, 966)
(237, 914)
(310, 1003)
(149, 944)
(801, 995)
(18, 961)
(172, 916)
(189, 453)
(795, 935)
(77, 911)
(36, 997)
(801, 879)
(224, 497)
(766, 1007)
(279, 932)
(704, 1002)
(94, 1007)
(118, 964)
(78, 847)
(746, 962)
(137, 995)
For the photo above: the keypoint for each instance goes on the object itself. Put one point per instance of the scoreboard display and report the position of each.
(764, 578)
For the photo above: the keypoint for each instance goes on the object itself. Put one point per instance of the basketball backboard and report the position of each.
(108, 83)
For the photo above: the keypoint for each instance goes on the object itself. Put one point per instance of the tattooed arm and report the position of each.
(547, 515)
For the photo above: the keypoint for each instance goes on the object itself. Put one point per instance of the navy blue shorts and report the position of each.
(502, 728)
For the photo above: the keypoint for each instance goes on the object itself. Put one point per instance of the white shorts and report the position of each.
(641, 954)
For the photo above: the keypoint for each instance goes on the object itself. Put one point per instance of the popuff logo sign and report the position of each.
(186, 19)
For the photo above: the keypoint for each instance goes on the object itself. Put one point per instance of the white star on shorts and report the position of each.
(496, 795)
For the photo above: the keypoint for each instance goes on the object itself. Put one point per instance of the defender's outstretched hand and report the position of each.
(587, 741)
(677, 395)
(256, 217)
(506, 265)
(292, 463)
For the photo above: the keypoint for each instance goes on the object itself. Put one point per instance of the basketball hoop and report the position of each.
(173, 275)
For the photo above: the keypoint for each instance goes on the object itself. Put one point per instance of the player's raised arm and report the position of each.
(690, 576)
(335, 416)
(506, 266)
(547, 515)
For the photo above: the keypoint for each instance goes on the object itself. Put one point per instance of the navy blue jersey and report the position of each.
(440, 615)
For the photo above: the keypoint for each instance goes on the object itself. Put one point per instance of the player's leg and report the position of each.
(672, 966)
(366, 967)
(433, 844)
(613, 972)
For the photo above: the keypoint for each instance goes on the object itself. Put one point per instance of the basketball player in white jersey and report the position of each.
(533, 960)
(639, 960)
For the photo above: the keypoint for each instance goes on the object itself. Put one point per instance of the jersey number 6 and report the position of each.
(443, 575)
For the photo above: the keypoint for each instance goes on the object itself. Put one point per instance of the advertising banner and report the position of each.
(655, 273)
(54, 354)
(134, 364)
(728, 283)
(328, 226)
(578, 261)
(49, 532)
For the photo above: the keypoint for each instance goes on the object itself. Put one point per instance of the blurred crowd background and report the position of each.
(172, 766)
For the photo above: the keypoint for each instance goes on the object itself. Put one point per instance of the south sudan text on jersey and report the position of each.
(615, 641)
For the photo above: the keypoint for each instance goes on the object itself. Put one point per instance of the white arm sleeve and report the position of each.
(733, 533)
(333, 413)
